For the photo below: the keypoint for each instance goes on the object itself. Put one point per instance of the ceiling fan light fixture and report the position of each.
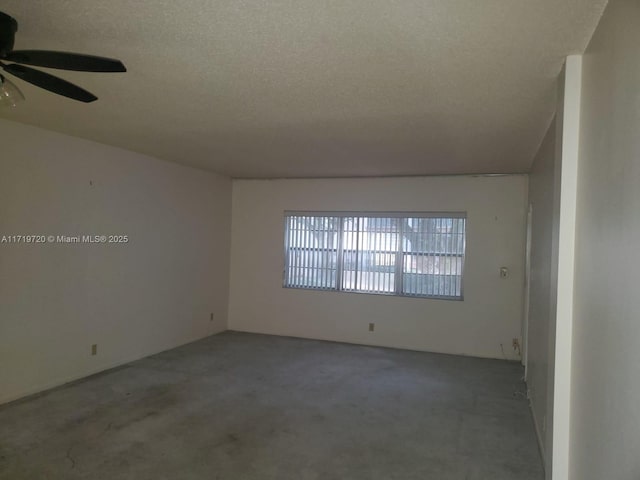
(10, 95)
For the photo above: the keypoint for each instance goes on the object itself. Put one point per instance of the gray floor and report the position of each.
(243, 406)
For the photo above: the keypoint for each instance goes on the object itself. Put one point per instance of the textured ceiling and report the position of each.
(311, 87)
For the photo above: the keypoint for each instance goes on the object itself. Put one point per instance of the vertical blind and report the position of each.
(411, 254)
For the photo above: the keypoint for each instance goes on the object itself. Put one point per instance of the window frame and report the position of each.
(400, 253)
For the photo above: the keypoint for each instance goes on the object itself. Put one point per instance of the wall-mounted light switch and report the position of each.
(504, 272)
(94, 349)
(372, 327)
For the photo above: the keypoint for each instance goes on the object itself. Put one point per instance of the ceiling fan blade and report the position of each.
(49, 82)
(8, 29)
(66, 61)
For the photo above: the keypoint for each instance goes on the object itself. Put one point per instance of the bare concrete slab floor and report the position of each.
(240, 406)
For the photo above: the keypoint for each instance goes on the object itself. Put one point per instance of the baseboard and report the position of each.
(538, 436)
(64, 380)
(73, 378)
(362, 343)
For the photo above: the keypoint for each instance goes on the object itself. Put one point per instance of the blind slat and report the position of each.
(415, 255)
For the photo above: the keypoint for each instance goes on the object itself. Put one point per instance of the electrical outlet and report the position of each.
(372, 327)
(94, 349)
(516, 344)
(211, 318)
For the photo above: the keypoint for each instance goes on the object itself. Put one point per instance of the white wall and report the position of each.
(490, 314)
(552, 196)
(605, 399)
(543, 197)
(153, 293)
(563, 255)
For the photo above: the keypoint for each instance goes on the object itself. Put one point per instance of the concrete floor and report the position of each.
(240, 406)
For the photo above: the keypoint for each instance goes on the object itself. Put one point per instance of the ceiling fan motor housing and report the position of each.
(49, 59)
(8, 29)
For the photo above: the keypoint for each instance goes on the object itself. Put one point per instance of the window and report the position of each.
(410, 254)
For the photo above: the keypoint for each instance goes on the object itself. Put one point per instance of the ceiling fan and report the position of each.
(9, 93)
